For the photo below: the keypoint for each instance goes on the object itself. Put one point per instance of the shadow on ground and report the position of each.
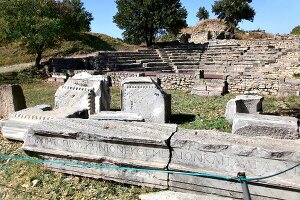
(95, 42)
(182, 118)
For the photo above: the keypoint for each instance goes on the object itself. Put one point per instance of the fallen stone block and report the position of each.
(225, 155)
(116, 115)
(19, 122)
(85, 91)
(279, 127)
(251, 104)
(12, 99)
(143, 96)
(110, 143)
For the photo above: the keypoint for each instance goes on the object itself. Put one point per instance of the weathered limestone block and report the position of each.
(127, 144)
(116, 115)
(243, 104)
(84, 91)
(12, 99)
(141, 95)
(279, 127)
(225, 155)
(19, 122)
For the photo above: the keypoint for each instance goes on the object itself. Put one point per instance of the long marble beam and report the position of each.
(163, 147)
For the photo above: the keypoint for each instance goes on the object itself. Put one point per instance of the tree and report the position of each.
(75, 17)
(296, 30)
(202, 13)
(41, 24)
(142, 20)
(234, 11)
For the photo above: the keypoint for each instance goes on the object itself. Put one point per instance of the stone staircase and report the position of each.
(183, 58)
(140, 60)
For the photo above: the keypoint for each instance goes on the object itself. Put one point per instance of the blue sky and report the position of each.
(274, 16)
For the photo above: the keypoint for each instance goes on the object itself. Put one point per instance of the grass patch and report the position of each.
(296, 75)
(17, 182)
(14, 53)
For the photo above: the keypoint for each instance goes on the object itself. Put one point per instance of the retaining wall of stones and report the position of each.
(167, 80)
(267, 85)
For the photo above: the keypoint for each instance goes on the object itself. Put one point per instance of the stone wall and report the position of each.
(177, 81)
(117, 77)
(267, 85)
(167, 81)
(253, 84)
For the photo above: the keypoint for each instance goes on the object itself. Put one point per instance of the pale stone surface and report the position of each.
(116, 115)
(251, 104)
(113, 143)
(279, 127)
(12, 99)
(2, 122)
(171, 195)
(226, 155)
(19, 122)
(141, 95)
(85, 91)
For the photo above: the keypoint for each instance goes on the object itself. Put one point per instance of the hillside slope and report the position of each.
(14, 53)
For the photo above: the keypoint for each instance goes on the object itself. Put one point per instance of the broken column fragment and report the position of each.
(143, 96)
(112, 143)
(251, 104)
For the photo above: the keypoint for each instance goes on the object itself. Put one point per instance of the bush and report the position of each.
(296, 30)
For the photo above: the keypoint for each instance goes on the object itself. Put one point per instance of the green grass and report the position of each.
(192, 112)
(14, 53)
(17, 178)
(296, 76)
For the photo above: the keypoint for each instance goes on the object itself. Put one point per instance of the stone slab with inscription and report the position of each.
(19, 122)
(112, 143)
(225, 154)
(117, 115)
(143, 96)
(280, 127)
(84, 90)
(251, 104)
(12, 99)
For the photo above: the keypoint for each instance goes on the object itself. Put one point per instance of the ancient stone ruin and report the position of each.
(143, 96)
(19, 123)
(12, 99)
(136, 146)
(251, 104)
(265, 66)
(114, 145)
(84, 91)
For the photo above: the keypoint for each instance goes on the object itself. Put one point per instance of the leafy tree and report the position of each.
(296, 30)
(75, 17)
(142, 20)
(41, 24)
(234, 11)
(202, 13)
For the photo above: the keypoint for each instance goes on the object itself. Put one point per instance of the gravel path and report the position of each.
(15, 68)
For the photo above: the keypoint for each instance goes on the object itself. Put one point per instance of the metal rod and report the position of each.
(245, 188)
